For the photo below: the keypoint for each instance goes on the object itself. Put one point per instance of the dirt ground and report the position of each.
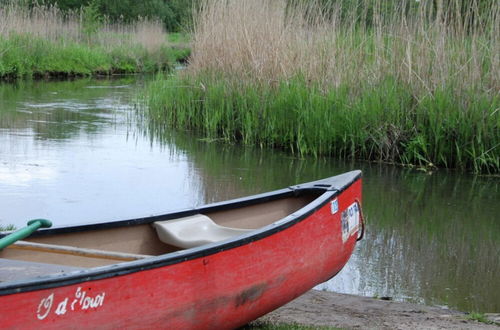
(319, 308)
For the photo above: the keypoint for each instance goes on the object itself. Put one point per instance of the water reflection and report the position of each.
(72, 152)
(57, 110)
(66, 154)
(432, 238)
(436, 235)
(23, 174)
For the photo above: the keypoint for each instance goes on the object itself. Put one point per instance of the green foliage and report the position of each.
(92, 20)
(179, 38)
(180, 14)
(25, 55)
(175, 14)
(7, 227)
(258, 325)
(465, 12)
(381, 122)
(479, 317)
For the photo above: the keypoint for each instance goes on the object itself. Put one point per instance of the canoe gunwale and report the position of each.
(331, 187)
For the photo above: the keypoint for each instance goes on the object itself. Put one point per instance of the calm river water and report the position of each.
(73, 152)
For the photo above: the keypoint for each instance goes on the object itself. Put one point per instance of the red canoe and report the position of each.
(214, 267)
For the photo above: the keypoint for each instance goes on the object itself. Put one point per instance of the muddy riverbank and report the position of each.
(329, 309)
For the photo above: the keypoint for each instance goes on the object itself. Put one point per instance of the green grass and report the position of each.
(479, 317)
(259, 325)
(29, 56)
(179, 37)
(180, 48)
(7, 227)
(381, 122)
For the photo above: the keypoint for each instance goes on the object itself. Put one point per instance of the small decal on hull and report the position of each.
(350, 221)
(334, 206)
(80, 301)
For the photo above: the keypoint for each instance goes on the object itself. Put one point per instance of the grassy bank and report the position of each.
(411, 89)
(259, 325)
(44, 41)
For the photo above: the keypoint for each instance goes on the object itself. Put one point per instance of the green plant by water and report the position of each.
(259, 325)
(7, 227)
(43, 40)
(479, 317)
(407, 89)
(381, 122)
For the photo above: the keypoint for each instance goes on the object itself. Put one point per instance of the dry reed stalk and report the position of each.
(150, 34)
(41, 21)
(49, 22)
(265, 41)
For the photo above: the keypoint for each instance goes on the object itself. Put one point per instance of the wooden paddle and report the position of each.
(32, 226)
(77, 251)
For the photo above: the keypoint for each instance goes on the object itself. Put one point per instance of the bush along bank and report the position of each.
(382, 122)
(29, 56)
(45, 41)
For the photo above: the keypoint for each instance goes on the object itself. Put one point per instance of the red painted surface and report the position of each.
(224, 290)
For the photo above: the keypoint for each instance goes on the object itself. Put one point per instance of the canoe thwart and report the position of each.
(83, 252)
(193, 231)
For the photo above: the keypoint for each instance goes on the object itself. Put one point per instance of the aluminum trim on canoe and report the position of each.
(332, 186)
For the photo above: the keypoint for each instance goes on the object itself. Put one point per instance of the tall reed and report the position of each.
(50, 23)
(420, 89)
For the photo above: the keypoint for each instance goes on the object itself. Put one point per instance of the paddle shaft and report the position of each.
(32, 226)
(76, 251)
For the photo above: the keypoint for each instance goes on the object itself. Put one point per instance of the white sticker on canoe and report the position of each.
(80, 301)
(334, 206)
(350, 221)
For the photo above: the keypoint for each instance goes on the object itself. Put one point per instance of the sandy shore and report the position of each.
(319, 308)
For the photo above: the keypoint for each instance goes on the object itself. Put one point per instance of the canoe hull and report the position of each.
(219, 290)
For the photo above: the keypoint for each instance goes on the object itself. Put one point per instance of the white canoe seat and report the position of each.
(194, 231)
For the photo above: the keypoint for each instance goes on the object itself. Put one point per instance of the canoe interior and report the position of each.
(141, 239)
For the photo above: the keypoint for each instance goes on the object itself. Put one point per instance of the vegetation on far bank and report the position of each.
(479, 317)
(42, 41)
(174, 15)
(7, 227)
(260, 325)
(419, 89)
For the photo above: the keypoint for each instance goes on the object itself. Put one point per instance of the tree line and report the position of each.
(177, 14)
(465, 13)
(174, 14)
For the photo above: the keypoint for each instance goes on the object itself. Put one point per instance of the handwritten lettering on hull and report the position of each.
(81, 300)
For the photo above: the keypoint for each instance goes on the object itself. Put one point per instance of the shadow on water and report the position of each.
(74, 152)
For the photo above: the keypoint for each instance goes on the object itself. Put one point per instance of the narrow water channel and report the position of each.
(72, 152)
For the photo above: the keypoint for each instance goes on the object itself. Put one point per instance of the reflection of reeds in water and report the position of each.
(228, 171)
(50, 23)
(430, 238)
(59, 109)
(434, 237)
